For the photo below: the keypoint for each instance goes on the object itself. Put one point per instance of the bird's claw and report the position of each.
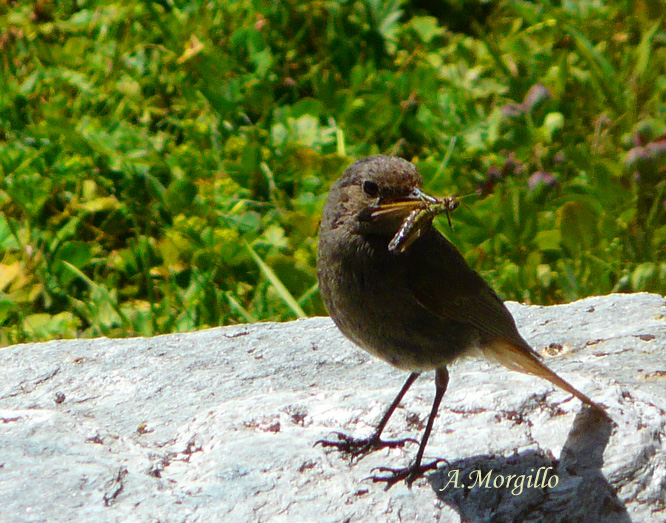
(359, 447)
(406, 474)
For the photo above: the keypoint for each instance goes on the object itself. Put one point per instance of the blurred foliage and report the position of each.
(163, 164)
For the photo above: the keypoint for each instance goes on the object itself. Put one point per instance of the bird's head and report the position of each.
(375, 195)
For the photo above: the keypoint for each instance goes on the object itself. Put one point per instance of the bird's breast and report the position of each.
(366, 291)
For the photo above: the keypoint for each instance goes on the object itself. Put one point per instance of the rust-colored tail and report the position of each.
(519, 359)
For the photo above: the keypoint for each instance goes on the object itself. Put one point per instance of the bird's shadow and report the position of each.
(573, 489)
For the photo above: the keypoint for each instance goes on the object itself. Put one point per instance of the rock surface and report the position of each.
(219, 425)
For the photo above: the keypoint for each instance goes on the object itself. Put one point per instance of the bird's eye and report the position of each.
(370, 188)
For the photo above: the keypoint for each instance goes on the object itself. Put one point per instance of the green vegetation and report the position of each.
(163, 164)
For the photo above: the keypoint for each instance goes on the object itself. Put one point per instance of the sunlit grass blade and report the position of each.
(308, 293)
(282, 291)
(340, 142)
(644, 50)
(233, 302)
(444, 162)
(104, 292)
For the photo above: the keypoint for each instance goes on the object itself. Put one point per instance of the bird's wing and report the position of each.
(442, 282)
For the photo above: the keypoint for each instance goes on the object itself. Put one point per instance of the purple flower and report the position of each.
(541, 178)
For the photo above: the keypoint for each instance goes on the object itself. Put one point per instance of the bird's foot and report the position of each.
(359, 447)
(407, 474)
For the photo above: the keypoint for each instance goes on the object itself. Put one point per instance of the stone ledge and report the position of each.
(220, 425)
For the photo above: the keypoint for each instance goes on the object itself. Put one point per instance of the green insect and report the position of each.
(419, 220)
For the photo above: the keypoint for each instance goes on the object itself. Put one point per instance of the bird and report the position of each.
(419, 309)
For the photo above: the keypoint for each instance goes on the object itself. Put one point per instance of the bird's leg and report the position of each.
(358, 447)
(416, 469)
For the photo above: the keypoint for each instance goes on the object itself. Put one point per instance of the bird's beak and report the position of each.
(387, 215)
(390, 210)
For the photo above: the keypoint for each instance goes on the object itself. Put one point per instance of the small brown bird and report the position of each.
(419, 309)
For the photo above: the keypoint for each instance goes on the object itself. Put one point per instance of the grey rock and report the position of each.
(220, 425)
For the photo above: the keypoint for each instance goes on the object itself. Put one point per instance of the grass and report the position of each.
(163, 165)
